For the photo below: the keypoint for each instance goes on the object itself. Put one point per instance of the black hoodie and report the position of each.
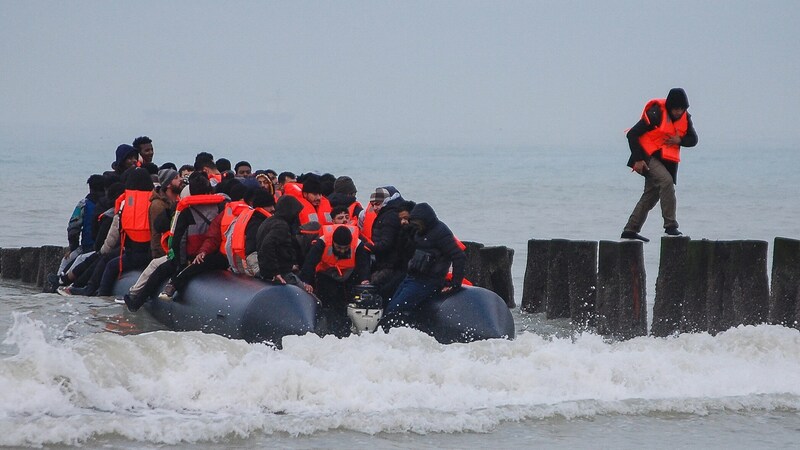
(276, 247)
(437, 239)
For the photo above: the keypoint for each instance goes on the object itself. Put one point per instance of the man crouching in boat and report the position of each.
(337, 261)
(436, 249)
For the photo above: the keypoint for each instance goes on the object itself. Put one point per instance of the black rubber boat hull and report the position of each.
(241, 307)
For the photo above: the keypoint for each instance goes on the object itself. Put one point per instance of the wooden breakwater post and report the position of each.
(561, 280)
(556, 305)
(534, 287)
(490, 268)
(670, 284)
(694, 311)
(738, 288)
(784, 299)
(582, 264)
(621, 289)
(28, 264)
(710, 286)
(10, 263)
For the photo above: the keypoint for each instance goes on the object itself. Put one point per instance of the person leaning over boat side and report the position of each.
(436, 250)
(277, 248)
(337, 261)
(655, 142)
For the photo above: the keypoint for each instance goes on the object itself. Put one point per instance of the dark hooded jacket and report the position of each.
(436, 240)
(385, 232)
(277, 251)
(676, 98)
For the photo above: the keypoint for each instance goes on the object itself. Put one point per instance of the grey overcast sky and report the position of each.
(573, 74)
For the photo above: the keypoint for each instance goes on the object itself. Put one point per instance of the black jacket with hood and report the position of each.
(276, 245)
(385, 233)
(437, 239)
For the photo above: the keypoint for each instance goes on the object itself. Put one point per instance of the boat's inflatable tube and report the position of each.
(471, 314)
(241, 307)
(222, 303)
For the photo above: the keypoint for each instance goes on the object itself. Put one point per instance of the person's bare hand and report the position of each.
(640, 167)
(199, 258)
(673, 140)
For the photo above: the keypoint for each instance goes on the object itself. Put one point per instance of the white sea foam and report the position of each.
(168, 387)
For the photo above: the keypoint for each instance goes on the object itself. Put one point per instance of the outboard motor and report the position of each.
(366, 309)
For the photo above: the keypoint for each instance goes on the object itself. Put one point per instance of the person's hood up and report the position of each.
(394, 196)
(677, 99)
(123, 151)
(288, 208)
(424, 212)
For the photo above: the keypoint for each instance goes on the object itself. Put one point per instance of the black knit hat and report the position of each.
(677, 99)
(342, 236)
(312, 186)
(344, 185)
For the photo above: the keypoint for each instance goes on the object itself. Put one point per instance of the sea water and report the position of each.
(84, 371)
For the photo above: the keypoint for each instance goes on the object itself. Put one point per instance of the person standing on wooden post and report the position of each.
(655, 142)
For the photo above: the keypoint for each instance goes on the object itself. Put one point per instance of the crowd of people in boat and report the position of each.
(174, 223)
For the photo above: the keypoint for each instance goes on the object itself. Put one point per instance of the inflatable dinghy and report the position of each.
(241, 307)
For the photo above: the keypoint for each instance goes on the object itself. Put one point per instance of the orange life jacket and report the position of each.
(339, 269)
(229, 214)
(214, 179)
(293, 189)
(449, 275)
(135, 217)
(351, 210)
(204, 208)
(324, 211)
(654, 140)
(369, 219)
(236, 238)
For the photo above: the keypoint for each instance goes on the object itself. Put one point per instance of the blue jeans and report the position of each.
(411, 293)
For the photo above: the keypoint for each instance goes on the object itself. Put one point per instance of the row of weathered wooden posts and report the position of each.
(702, 285)
(488, 267)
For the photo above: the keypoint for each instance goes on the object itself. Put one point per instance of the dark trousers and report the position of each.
(334, 295)
(412, 292)
(213, 261)
(131, 260)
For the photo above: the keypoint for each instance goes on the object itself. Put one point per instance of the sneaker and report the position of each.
(64, 291)
(633, 235)
(132, 302)
(168, 293)
(673, 231)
